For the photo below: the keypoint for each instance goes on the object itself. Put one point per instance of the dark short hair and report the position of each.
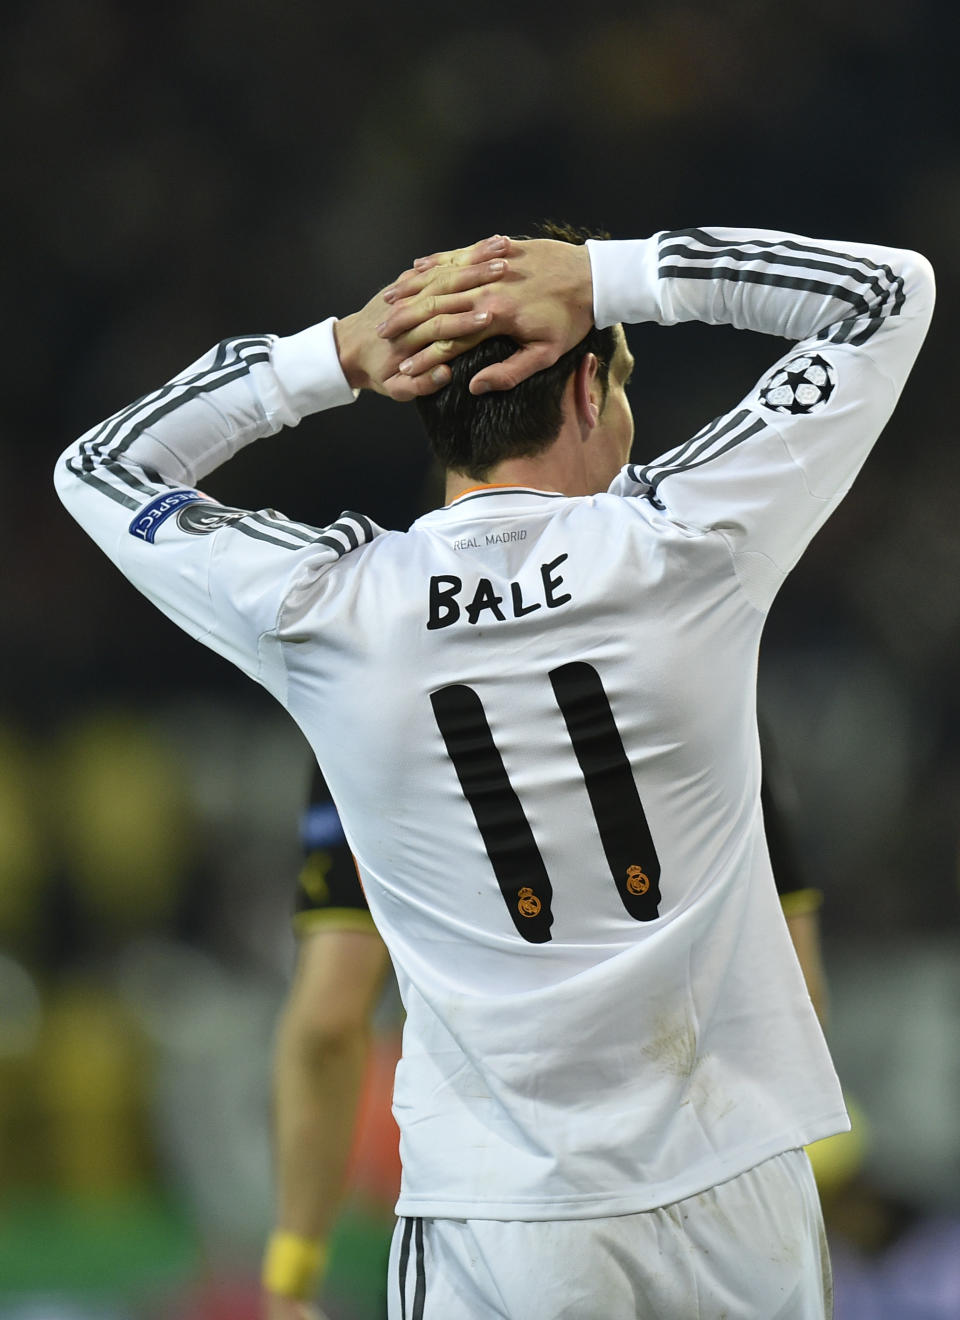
(472, 433)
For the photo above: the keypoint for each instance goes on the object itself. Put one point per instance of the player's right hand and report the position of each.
(544, 300)
(443, 321)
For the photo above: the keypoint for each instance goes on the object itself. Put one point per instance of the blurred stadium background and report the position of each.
(179, 173)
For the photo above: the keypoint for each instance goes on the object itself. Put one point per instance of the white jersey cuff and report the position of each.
(309, 370)
(624, 280)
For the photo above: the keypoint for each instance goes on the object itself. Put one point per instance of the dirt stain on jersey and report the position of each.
(707, 1094)
(673, 1046)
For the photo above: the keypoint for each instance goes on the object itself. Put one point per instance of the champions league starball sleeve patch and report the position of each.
(202, 519)
(800, 386)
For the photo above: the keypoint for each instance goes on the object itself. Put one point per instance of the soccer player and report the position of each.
(322, 1044)
(536, 713)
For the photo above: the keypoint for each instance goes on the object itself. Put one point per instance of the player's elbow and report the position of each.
(919, 284)
(322, 1031)
(65, 479)
(321, 1049)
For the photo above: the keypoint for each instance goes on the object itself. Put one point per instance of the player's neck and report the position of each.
(561, 468)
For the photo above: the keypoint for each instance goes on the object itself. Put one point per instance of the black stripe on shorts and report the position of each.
(412, 1228)
(404, 1260)
(420, 1295)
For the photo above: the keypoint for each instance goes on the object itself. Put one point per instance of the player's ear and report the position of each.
(587, 391)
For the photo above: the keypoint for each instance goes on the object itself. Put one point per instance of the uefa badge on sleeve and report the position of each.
(800, 386)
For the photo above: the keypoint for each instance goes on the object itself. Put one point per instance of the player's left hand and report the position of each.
(544, 301)
(446, 317)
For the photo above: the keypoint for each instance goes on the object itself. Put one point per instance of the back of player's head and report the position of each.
(472, 433)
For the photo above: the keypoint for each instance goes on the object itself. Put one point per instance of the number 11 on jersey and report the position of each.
(516, 860)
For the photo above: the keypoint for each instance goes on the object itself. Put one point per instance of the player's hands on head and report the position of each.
(445, 321)
(543, 298)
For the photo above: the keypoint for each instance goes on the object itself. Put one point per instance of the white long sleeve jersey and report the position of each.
(536, 715)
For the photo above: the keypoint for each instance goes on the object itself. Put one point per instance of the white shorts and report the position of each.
(752, 1248)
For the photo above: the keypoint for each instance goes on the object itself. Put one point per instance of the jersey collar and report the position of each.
(498, 492)
(489, 501)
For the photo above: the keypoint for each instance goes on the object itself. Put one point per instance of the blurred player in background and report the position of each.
(800, 900)
(536, 711)
(324, 1036)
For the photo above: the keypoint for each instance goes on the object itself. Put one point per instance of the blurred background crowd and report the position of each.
(181, 173)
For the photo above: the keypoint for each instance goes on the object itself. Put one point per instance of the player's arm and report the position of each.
(132, 482)
(766, 474)
(321, 1056)
(800, 900)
